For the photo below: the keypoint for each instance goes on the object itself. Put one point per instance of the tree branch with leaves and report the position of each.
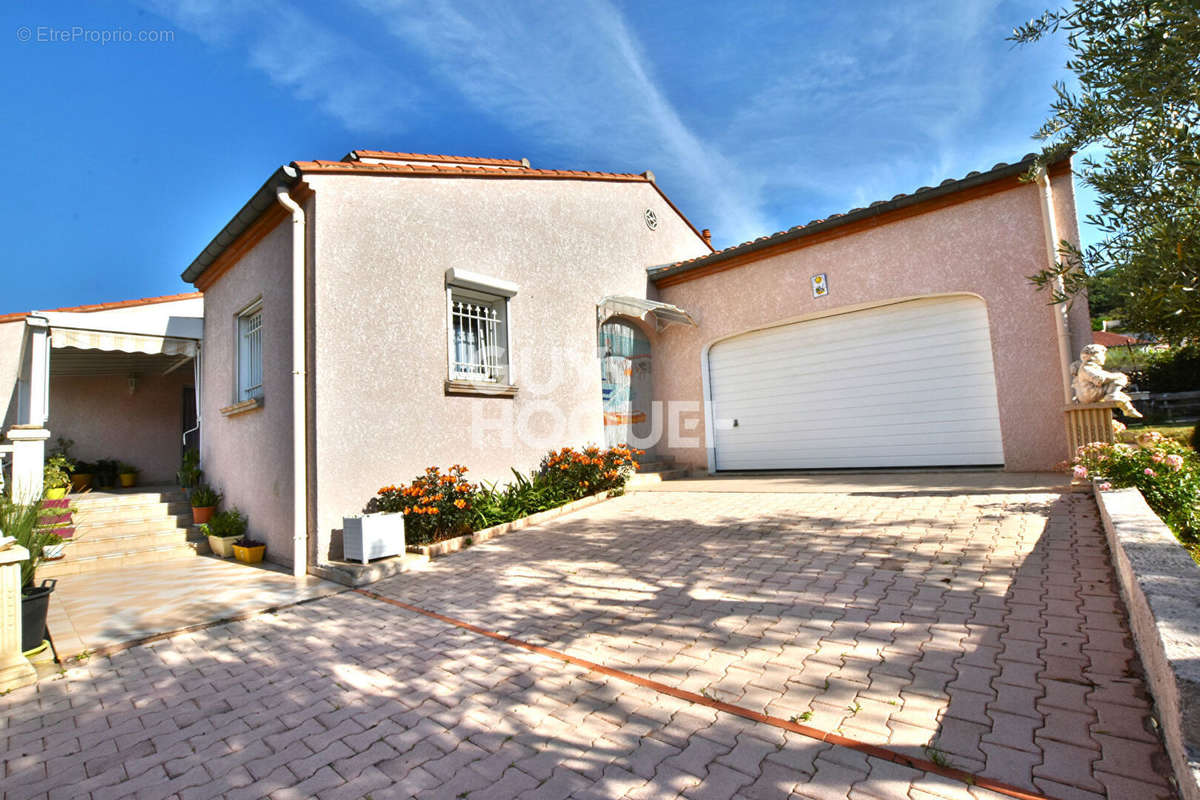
(1138, 66)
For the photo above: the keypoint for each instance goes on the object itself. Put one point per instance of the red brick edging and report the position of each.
(874, 751)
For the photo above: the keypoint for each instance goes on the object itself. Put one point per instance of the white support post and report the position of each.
(39, 371)
(15, 669)
(29, 458)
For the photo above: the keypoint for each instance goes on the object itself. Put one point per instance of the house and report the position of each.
(369, 317)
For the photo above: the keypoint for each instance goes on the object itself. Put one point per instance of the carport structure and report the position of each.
(119, 379)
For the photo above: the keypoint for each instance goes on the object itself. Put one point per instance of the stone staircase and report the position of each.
(122, 528)
(656, 469)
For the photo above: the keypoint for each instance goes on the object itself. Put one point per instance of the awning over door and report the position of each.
(664, 313)
(112, 341)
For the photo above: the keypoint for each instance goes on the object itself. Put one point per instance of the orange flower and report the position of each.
(460, 503)
(433, 510)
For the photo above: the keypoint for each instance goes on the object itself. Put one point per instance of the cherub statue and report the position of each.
(1093, 384)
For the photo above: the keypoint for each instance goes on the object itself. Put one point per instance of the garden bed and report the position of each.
(1160, 584)
(447, 546)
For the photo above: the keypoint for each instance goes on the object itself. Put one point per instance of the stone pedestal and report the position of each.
(1088, 423)
(29, 458)
(15, 669)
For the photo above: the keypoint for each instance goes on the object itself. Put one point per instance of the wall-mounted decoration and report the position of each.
(820, 285)
(651, 219)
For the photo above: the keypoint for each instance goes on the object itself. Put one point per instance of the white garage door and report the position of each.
(908, 384)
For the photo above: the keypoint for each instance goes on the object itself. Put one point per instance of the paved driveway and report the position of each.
(978, 630)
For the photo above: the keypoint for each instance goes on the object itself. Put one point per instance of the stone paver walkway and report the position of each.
(982, 629)
(93, 611)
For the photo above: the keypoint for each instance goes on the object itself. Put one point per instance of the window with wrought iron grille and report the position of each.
(249, 353)
(478, 337)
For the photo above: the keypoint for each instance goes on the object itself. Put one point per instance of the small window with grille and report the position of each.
(249, 353)
(478, 337)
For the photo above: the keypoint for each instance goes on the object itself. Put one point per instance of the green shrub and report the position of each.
(204, 496)
(24, 523)
(226, 523)
(56, 474)
(577, 473)
(1165, 471)
(1174, 370)
(435, 505)
(439, 505)
(189, 474)
(495, 505)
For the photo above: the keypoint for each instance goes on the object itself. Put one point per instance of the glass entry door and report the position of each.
(625, 371)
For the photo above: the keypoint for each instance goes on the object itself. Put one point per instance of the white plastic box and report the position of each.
(372, 536)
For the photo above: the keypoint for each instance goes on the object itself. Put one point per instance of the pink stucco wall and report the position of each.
(986, 246)
(379, 324)
(248, 456)
(106, 421)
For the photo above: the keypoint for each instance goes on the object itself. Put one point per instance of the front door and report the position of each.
(625, 384)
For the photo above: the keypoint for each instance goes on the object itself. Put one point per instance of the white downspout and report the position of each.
(196, 399)
(1061, 322)
(299, 399)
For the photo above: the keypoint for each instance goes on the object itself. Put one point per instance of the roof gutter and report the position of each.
(267, 196)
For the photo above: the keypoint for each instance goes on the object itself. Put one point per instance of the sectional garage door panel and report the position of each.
(909, 384)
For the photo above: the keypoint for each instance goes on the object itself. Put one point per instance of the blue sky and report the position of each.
(124, 159)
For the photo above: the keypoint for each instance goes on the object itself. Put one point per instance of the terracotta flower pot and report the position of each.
(81, 481)
(249, 555)
(202, 514)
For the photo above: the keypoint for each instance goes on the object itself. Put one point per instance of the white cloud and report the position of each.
(577, 79)
(791, 111)
(305, 56)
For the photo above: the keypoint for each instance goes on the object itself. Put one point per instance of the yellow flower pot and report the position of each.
(249, 555)
(128, 479)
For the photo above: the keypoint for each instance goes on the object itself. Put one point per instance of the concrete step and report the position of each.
(69, 565)
(107, 530)
(644, 478)
(129, 543)
(88, 500)
(656, 463)
(106, 515)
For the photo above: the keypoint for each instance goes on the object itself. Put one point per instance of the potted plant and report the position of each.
(82, 476)
(205, 500)
(248, 551)
(189, 474)
(223, 530)
(56, 476)
(106, 473)
(26, 524)
(127, 474)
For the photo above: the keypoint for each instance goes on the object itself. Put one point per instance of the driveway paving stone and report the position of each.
(983, 628)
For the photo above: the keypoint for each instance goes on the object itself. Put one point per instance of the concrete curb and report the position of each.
(1160, 584)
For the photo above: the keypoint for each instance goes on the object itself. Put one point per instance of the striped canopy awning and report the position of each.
(112, 341)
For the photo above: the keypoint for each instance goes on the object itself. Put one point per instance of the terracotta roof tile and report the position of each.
(354, 155)
(1110, 339)
(791, 232)
(142, 301)
(360, 168)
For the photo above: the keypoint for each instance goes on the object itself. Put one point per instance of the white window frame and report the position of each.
(485, 305)
(244, 389)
